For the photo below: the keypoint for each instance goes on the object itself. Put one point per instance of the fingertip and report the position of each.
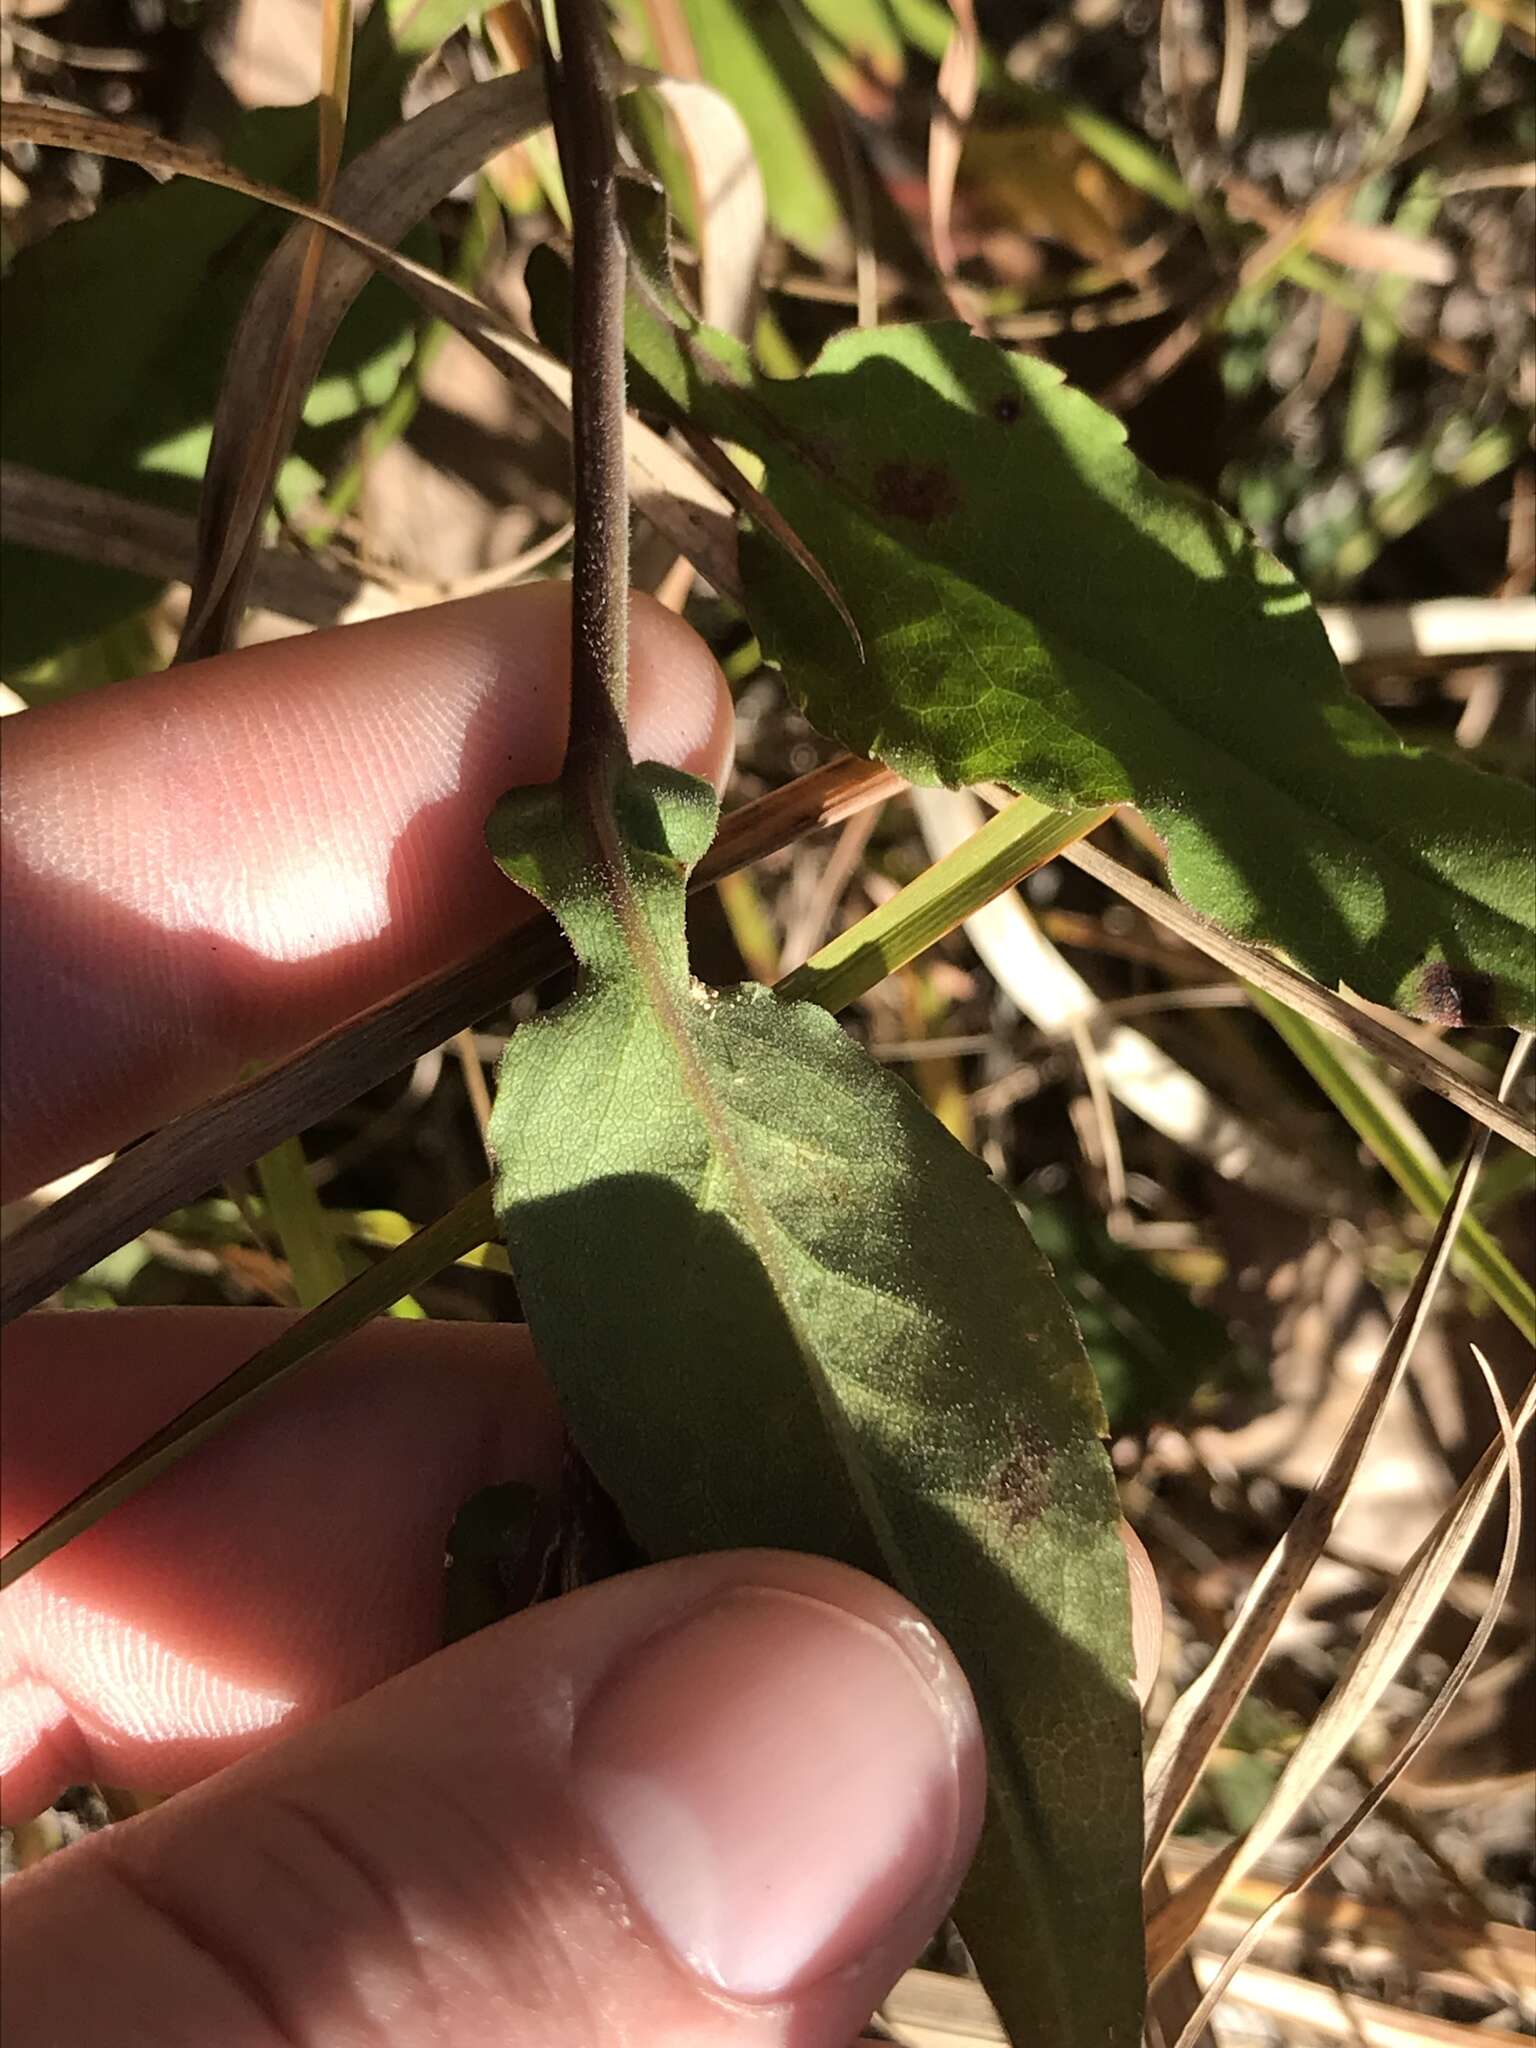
(681, 707)
(291, 1563)
(208, 867)
(721, 1800)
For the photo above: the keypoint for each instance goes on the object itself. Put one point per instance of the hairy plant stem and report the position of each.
(584, 132)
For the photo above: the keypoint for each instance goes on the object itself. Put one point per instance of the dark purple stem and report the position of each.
(584, 131)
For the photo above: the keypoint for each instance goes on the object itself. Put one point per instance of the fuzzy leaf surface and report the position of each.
(1037, 608)
(782, 1306)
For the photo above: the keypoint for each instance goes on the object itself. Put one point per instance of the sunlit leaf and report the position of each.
(1037, 608)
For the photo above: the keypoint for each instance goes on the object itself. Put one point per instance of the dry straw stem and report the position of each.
(1441, 631)
(174, 1164)
(929, 2010)
(1234, 69)
(1201, 1714)
(1334, 1013)
(1394, 1629)
(959, 71)
(1136, 1071)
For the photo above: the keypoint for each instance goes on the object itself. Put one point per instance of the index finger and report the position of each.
(208, 868)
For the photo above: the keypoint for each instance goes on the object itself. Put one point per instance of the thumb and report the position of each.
(724, 1800)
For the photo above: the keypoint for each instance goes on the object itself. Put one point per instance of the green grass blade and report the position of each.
(466, 1225)
(304, 1233)
(1023, 836)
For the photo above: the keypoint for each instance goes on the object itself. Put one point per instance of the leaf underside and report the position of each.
(783, 1307)
(1036, 608)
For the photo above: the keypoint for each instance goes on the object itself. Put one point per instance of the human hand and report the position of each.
(722, 1800)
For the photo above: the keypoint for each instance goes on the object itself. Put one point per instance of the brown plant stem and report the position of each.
(584, 131)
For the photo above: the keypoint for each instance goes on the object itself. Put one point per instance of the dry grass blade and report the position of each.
(959, 70)
(1333, 1012)
(1202, 1713)
(371, 1293)
(92, 525)
(245, 469)
(1234, 69)
(55, 125)
(1135, 1069)
(749, 499)
(1418, 55)
(294, 310)
(1174, 1996)
(728, 197)
(1395, 1627)
(175, 1164)
(664, 485)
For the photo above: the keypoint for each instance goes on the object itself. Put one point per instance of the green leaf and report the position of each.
(165, 275)
(782, 1306)
(1037, 608)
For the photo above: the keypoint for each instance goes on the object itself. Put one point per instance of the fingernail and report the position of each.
(777, 1781)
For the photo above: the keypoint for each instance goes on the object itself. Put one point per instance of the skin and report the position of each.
(202, 870)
